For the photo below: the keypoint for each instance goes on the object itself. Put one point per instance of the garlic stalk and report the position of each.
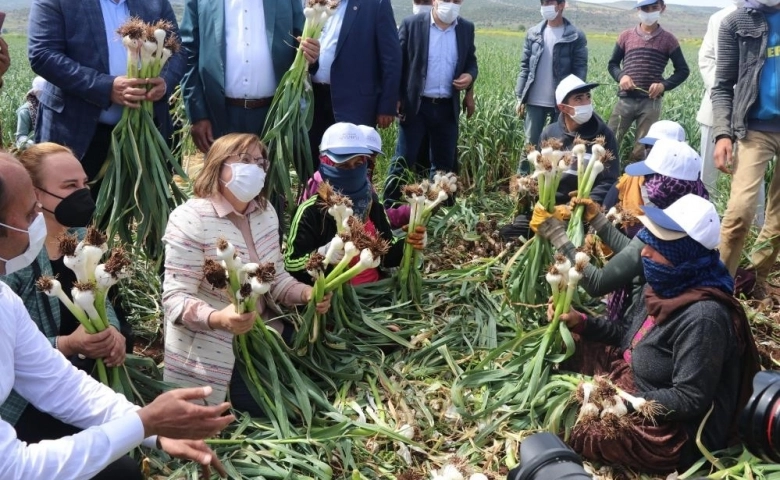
(84, 296)
(53, 288)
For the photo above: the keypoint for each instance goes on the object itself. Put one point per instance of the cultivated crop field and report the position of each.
(412, 388)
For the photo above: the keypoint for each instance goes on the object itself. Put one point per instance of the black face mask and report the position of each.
(75, 210)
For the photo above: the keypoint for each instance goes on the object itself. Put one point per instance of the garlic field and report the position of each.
(429, 389)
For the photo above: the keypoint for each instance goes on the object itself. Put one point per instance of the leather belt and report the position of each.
(435, 100)
(249, 103)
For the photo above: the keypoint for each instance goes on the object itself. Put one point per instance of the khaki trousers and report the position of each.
(627, 110)
(754, 153)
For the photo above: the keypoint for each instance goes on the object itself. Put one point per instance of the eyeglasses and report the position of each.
(248, 159)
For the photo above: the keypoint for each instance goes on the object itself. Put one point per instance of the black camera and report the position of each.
(543, 456)
(759, 422)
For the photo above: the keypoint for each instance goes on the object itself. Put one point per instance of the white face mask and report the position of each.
(421, 9)
(582, 113)
(649, 18)
(549, 12)
(37, 233)
(447, 12)
(247, 181)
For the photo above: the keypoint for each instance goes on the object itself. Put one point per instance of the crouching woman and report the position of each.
(200, 321)
(684, 344)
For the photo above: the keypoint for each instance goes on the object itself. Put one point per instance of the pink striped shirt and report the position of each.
(195, 355)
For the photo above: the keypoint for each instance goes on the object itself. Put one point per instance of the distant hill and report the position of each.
(683, 21)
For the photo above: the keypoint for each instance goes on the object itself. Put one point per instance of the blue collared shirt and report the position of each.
(328, 42)
(114, 15)
(442, 59)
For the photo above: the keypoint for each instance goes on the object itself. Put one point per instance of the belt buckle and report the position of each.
(246, 103)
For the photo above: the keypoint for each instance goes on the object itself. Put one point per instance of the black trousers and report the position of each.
(96, 154)
(35, 426)
(322, 120)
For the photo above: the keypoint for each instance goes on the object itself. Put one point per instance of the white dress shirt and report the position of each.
(442, 60)
(708, 56)
(52, 384)
(115, 14)
(249, 69)
(328, 42)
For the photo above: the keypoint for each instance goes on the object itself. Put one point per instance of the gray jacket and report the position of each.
(570, 56)
(741, 53)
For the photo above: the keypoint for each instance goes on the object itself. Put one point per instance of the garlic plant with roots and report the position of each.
(366, 249)
(290, 115)
(244, 284)
(586, 178)
(424, 199)
(556, 336)
(524, 269)
(89, 293)
(137, 195)
(589, 410)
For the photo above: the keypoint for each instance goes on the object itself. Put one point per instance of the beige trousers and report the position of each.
(754, 153)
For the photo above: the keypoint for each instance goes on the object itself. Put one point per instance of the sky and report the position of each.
(694, 3)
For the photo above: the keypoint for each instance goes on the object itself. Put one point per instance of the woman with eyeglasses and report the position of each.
(229, 202)
(343, 165)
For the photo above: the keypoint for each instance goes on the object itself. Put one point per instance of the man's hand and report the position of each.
(91, 345)
(520, 109)
(656, 90)
(384, 121)
(468, 103)
(196, 451)
(5, 59)
(128, 92)
(202, 134)
(157, 89)
(462, 82)
(117, 354)
(228, 319)
(173, 415)
(723, 155)
(626, 83)
(311, 49)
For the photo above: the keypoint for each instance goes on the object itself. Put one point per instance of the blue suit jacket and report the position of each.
(67, 47)
(203, 36)
(366, 72)
(414, 34)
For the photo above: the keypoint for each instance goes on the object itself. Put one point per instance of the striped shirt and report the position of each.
(195, 355)
(644, 57)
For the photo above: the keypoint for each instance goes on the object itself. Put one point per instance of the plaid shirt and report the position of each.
(23, 284)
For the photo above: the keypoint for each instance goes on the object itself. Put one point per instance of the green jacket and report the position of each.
(203, 38)
(23, 284)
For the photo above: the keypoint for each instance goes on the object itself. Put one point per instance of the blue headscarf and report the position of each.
(352, 183)
(693, 266)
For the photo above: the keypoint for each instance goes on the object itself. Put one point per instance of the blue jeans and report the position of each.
(439, 122)
(534, 122)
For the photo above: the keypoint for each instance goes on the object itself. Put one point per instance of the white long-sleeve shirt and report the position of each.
(48, 380)
(708, 57)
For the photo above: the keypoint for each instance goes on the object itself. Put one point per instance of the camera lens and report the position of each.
(544, 456)
(759, 422)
